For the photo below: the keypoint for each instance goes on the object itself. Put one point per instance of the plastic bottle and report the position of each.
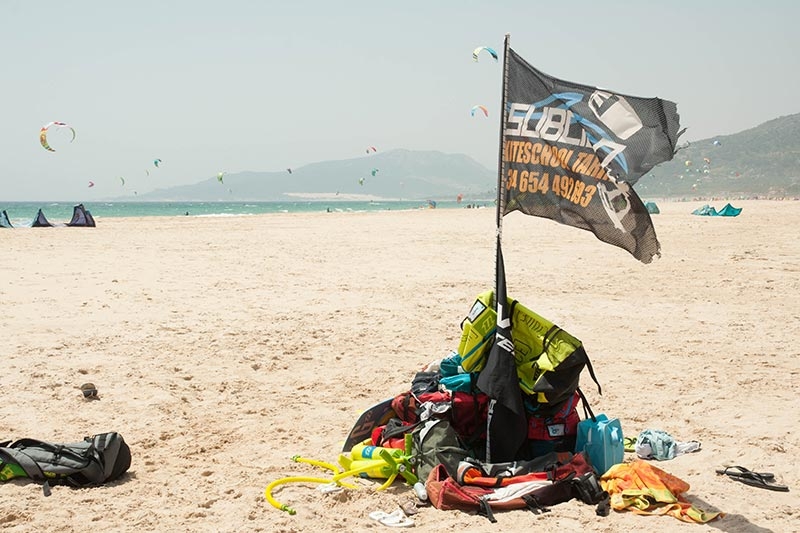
(368, 451)
(420, 491)
(374, 468)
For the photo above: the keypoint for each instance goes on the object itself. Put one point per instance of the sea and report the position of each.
(23, 213)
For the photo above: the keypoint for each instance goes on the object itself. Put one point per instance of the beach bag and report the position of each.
(467, 411)
(93, 461)
(435, 442)
(600, 438)
(552, 430)
(549, 360)
(554, 479)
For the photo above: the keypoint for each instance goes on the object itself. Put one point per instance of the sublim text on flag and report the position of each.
(573, 152)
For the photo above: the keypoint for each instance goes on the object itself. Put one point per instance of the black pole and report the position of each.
(501, 178)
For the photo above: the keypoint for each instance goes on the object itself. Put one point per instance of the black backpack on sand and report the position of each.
(93, 461)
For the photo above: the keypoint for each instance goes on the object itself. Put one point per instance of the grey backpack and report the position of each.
(436, 442)
(93, 461)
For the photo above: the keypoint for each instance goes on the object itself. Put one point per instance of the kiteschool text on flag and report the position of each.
(572, 153)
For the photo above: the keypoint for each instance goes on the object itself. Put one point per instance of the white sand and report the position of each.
(222, 347)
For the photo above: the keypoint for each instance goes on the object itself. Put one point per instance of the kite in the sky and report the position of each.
(46, 127)
(479, 49)
(91, 184)
(147, 172)
(371, 149)
(481, 108)
(289, 170)
(156, 162)
(374, 171)
(122, 180)
(361, 181)
(220, 175)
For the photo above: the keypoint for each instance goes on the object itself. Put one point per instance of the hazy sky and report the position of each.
(260, 85)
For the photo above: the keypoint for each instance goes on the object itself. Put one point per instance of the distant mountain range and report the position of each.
(395, 174)
(763, 161)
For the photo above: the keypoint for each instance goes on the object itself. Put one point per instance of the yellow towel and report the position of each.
(646, 489)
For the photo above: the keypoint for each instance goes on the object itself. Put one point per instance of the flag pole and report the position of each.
(501, 196)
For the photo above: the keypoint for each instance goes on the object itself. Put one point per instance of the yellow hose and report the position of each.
(367, 466)
(314, 462)
(294, 479)
(337, 477)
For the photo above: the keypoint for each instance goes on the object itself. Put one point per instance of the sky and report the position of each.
(209, 86)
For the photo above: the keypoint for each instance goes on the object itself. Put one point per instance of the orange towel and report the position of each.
(646, 489)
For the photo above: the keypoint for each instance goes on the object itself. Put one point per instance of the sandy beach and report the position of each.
(221, 347)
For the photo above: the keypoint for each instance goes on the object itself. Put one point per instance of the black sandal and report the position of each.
(756, 480)
(762, 480)
(744, 472)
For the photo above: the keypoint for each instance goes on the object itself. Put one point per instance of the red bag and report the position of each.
(446, 493)
(468, 411)
(554, 432)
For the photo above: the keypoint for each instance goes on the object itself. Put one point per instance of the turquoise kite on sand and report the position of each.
(727, 211)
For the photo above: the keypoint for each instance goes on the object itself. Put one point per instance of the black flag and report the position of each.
(507, 426)
(573, 152)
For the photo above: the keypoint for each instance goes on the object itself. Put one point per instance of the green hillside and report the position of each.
(761, 161)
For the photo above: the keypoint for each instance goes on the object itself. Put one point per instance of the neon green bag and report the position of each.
(549, 359)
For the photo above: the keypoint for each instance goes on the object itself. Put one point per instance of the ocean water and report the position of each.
(23, 213)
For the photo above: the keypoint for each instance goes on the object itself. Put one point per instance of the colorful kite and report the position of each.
(371, 149)
(91, 184)
(220, 175)
(479, 107)
(43, 133)
(479, 49)
(156, 162)
(374, 171)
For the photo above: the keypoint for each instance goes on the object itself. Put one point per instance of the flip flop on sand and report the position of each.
(395, 519)
(758, 481)
(763, 480)
(629, 444)
(740, 471)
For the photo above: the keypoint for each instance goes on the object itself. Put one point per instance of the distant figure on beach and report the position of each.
(186, 214)
(329, 210)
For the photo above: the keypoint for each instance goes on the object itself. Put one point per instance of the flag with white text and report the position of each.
(572, 153)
